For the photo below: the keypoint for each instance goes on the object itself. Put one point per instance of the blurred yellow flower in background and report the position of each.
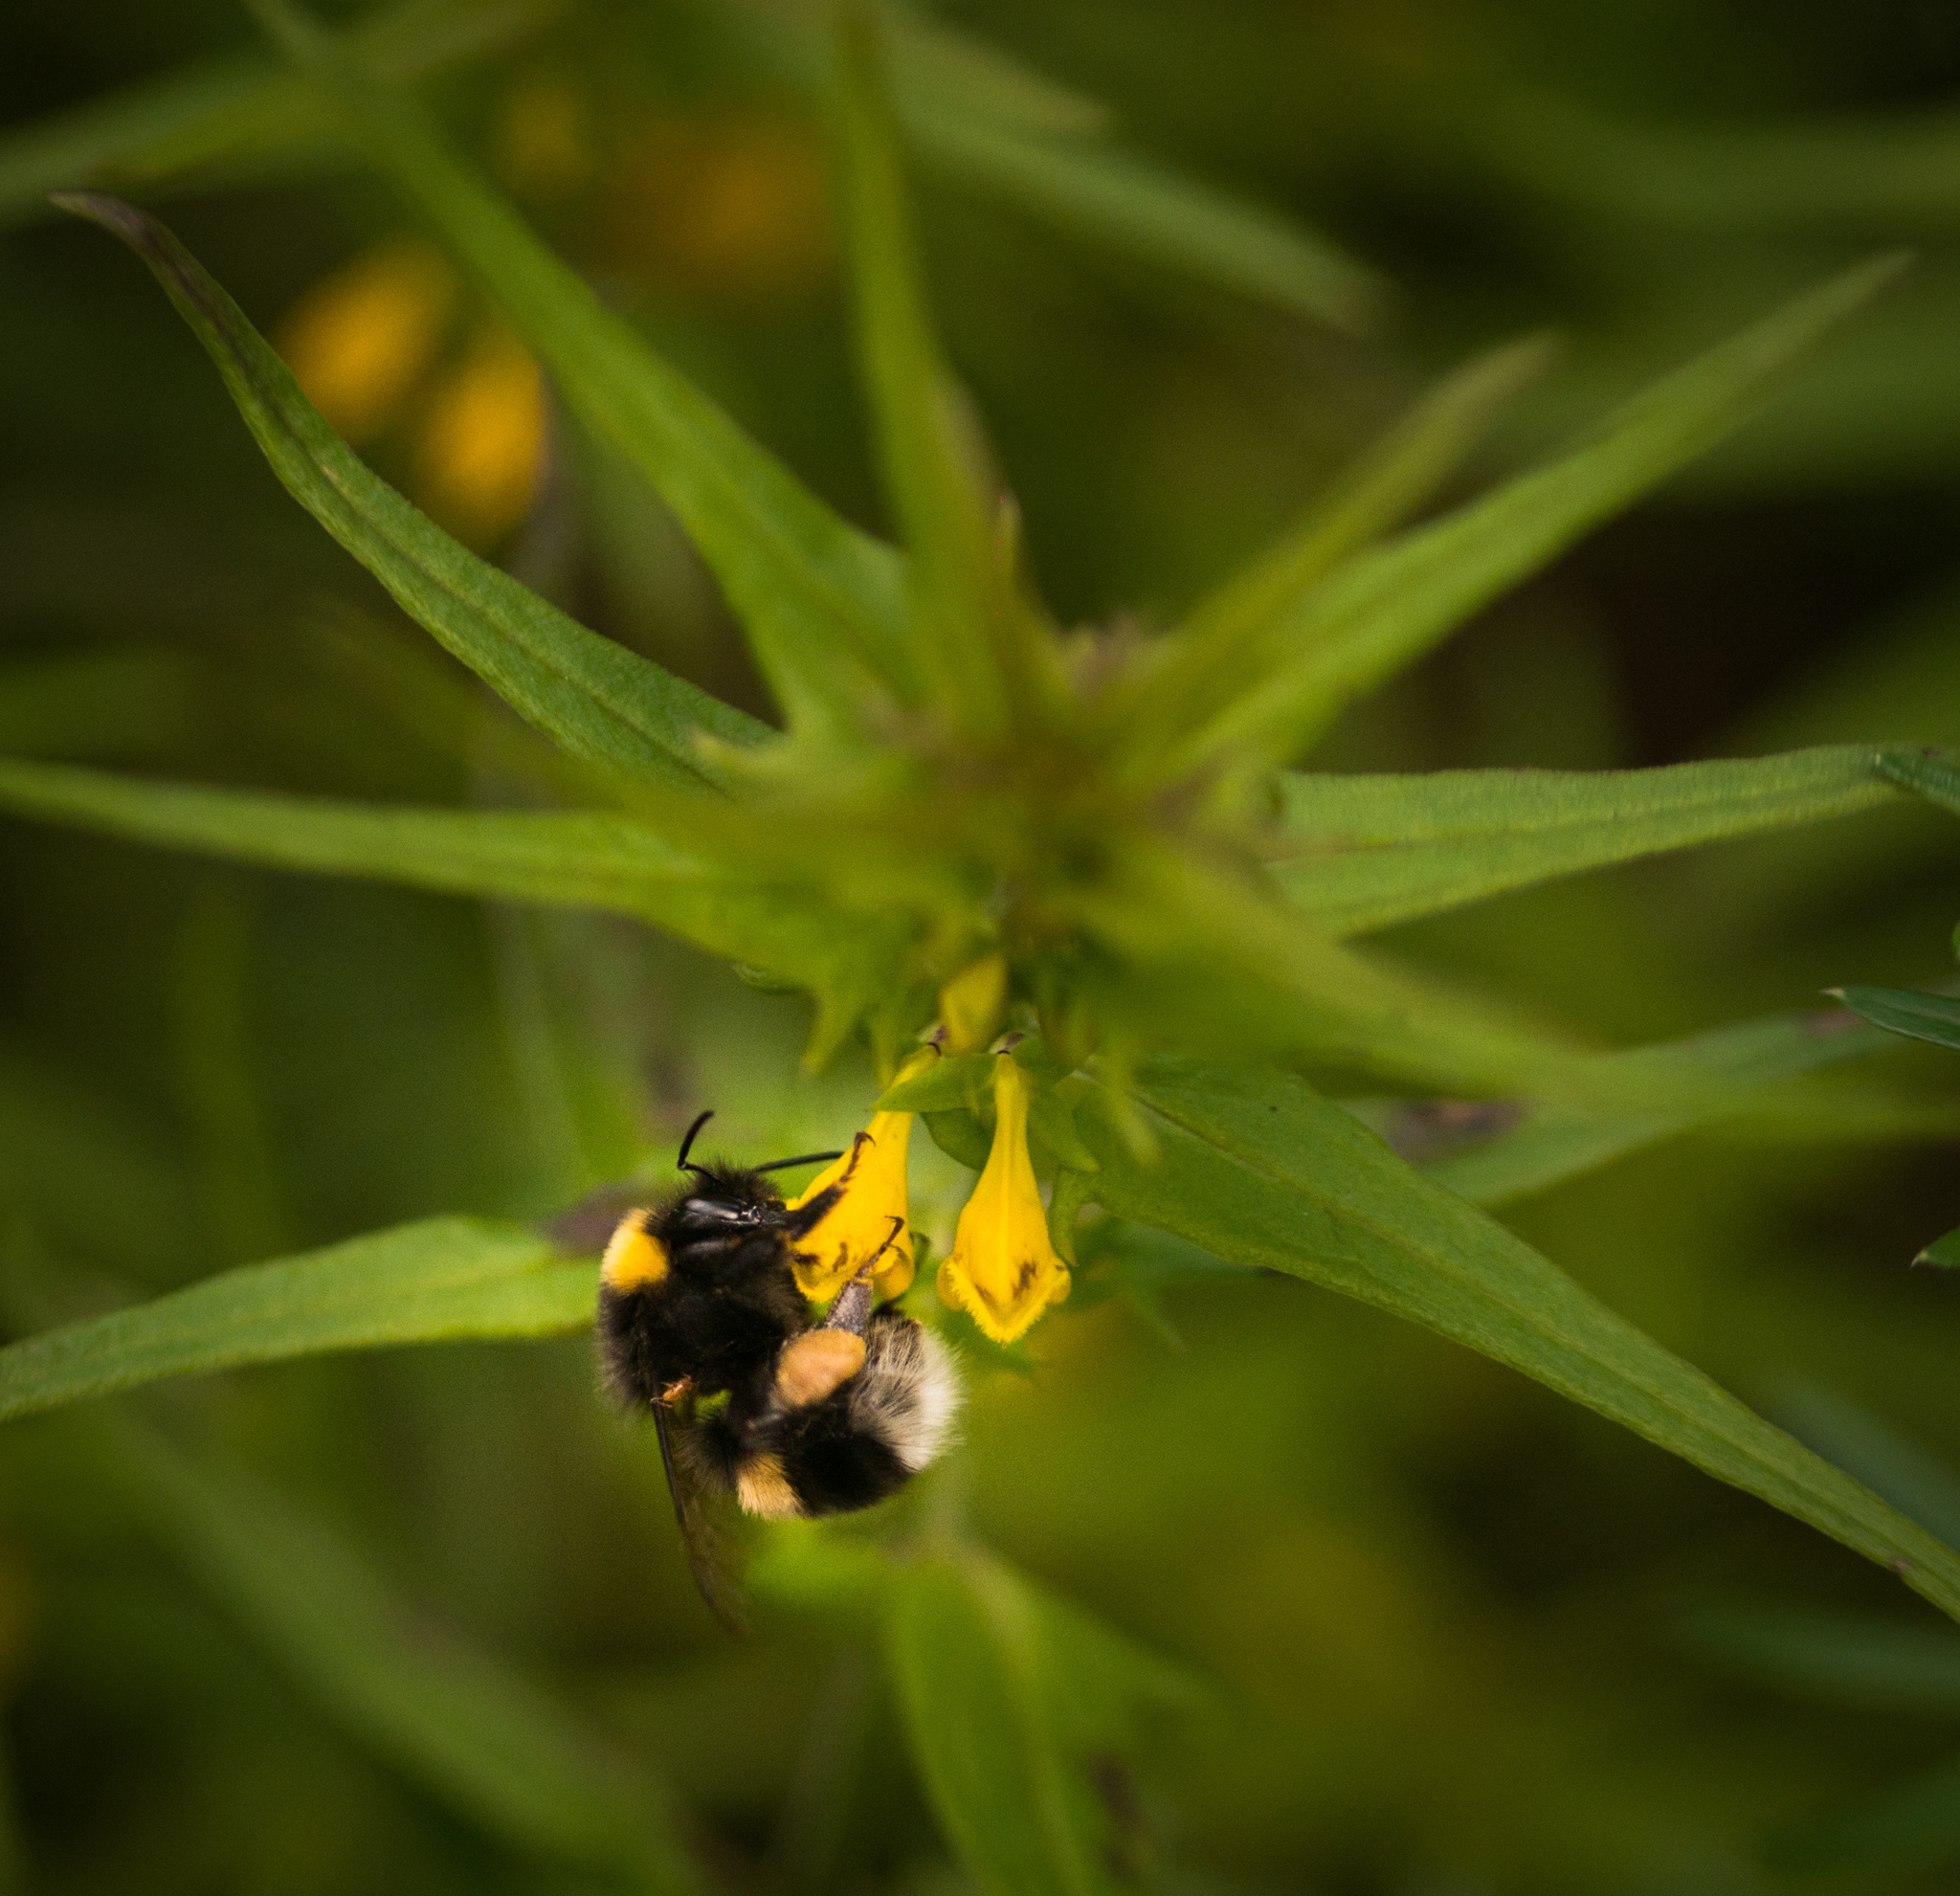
(728, 203)
(362, 337)
(367, 343)
(970, 1004)
(717, 202)
(480, 451)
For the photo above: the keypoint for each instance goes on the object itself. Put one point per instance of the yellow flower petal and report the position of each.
(1003, 1269)
(861, 1225)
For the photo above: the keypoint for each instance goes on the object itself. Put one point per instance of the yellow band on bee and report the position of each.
(634, 1258)
(764, 1490)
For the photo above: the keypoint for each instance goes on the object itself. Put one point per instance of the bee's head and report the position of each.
(724, 1196)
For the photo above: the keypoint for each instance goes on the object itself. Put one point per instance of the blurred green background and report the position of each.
(1448, 1634)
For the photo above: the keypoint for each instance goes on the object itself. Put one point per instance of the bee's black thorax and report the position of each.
(725, 1300)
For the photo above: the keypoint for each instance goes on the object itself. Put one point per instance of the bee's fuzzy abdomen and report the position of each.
(865, 1439)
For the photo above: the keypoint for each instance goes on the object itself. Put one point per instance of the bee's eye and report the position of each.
(714, 1210)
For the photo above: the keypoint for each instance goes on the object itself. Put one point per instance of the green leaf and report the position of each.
(1386, 607)
(1943, 1252)
(493, 1747)
(817, 597)
(1552, 1143)
(1202, 959)
(602, 703)
(962, 1641)
(1931, 773)
(438, 1281)
(575, 858)
(952, 1080)
(1878, 1664)
(585, 859)
(929, 476)
(1906, 1011)
(1258, 1169)
(1196, 671)
(1052, 1129)
(1373, 851)
(1848, 172)
(190, 122)
(937, 68)
(960, 1134)
(1885, 1460)
(1095, 189)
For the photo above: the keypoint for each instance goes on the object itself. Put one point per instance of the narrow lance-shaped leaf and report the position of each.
(1911, 1477)
(1944, 1251)
(975, 113)
(192, 123)
(928, 478)
(499, 1753)
(1373, 851)
(1197, 669)
(1385, 608)
(438, 1281)
(940, 67)
(1855, 173)
(819, 600)
(574, 858)
(1907, 1012)
(1095, 188)
(1552, 1143)
(1256, 1168)
(1211, 964)
(1843, 1659)
(582, 858)
(962, 1642)
(602, 703)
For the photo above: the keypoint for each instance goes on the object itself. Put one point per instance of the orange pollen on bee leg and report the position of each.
(815, 1364)
(634, 1257)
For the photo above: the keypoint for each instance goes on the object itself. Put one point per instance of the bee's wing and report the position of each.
(710, 1554)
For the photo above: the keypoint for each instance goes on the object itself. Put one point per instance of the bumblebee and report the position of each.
(701, 1323)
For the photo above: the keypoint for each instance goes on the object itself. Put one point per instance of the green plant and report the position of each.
(958, 781)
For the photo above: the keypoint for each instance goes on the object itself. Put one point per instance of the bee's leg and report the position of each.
(852, 1310)
(805, 1218)
(814, 1366)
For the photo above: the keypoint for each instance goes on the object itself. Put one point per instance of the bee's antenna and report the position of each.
(808, 1158)
(687, 1144)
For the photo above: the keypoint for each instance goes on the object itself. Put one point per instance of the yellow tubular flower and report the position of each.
(856, 1228)
(1003, 1271)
